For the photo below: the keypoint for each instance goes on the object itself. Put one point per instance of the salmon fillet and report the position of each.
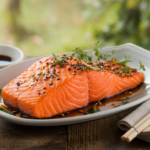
(47, 88)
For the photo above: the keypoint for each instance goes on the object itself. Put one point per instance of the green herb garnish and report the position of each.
(126, 70)
(6, 111)
(92, 110)
(142, 66)
(59, 59)
(81, 54)
(134, 70)
(124, 62)
(101, 55)
(124, 100)
(111, 60)
(93, 68)
(39, 74)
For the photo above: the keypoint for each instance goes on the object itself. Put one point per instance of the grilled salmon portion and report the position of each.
(49, 87)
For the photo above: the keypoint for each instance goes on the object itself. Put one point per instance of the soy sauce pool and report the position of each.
(112, 101)
(5, 60)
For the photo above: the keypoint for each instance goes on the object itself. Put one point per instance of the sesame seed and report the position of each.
(51, 83)
(58, 79)
(81, 111)
(18, 83)
(69, 68)
(39, 93)
(95, 104)
(62, 114)
(51, 76)
(99, 103)
(44, 88)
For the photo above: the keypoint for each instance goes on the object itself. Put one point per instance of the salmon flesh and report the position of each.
(48, 88)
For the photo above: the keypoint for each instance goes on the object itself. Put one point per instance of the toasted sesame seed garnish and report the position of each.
(51, 76)
(81, 111)
(95, 104)
(18, 83)
(74, 67)
(44, 94)
(18, 115)
(69, 68)
(99, 103)
(44, 88)
(74, 71)
(85, 113)
(58, 79)
(62, 114)
(51, 83)
(74, 74)
(39, 93)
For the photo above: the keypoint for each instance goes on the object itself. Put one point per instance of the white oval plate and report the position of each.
(137, 53)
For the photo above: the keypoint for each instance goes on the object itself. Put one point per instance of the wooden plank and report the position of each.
(102, 134)
(19, 137)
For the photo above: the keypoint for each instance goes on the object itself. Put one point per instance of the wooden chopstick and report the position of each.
(137, 129)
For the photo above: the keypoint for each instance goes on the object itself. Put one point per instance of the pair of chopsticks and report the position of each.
(137, 129)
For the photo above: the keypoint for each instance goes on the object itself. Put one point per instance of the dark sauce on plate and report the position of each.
(5, 60)
(77, 112)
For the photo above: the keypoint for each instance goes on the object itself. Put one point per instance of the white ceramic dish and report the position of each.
(137, 53)
(12, 52)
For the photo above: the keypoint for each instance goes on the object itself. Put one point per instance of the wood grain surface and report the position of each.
(101, 134)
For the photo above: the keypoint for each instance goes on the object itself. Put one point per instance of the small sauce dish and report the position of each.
(10, 55)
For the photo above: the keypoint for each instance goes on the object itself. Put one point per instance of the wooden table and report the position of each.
(101, 134)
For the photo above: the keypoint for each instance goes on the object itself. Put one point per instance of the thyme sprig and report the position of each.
(39, 74)
(59, 59)
(124, 62)
(6, 111)
(99, 54)
(142, 66)
(123, 100)
(92, 110)
(81, 54)
(126, 70)
(93, 68)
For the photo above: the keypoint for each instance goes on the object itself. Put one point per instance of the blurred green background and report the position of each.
(41, 27)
